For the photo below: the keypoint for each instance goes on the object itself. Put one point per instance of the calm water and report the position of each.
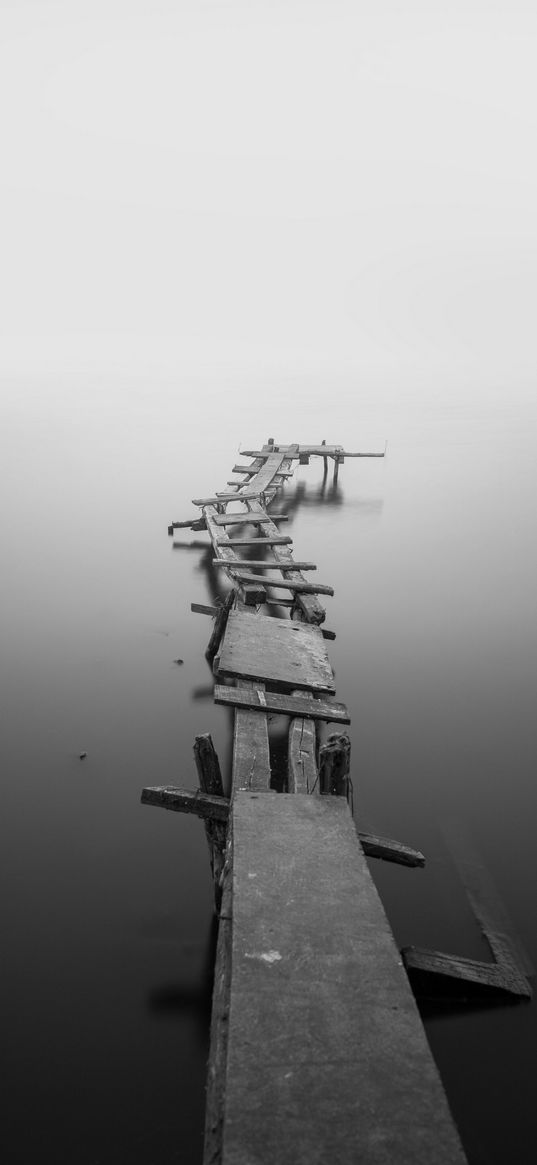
(108, 936)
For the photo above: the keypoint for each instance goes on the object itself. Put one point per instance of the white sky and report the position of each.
(348, 184)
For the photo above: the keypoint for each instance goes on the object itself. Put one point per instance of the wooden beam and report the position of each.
(264, 564)
(302, 771)
(390, 850)
(184, 801)
(276, 540)
(481, 978)
(193, 524)
(303, 588)
(311, 610)
(281, 704)
(220, 625)
(257, 519)
(204, 609)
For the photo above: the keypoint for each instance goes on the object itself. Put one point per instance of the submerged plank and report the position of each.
(302, 771)
(390, 850)
(504, 979)
(281, 704)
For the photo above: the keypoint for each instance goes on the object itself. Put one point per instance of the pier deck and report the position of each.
(318, 1054)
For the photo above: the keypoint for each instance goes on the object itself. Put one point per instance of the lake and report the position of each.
(108, 929)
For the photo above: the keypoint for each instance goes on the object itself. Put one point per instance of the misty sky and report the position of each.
(352, 184)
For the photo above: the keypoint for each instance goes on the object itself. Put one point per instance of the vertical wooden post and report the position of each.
(325, 462)
(210, 779)
(334, 766)
(220, 625)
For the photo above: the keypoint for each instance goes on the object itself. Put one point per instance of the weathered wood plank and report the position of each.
(192, 524)
(276, 540)
(264, 564)
(254, 518)
(485, 977)
(204, 609)
(279, 651)
(185, 801)
(302, 771)
(300, 588)
(227, 496)
(390, 850)
(310, 451)
(327, 1057)
(281, 703)
(210, 779)
(251, 753)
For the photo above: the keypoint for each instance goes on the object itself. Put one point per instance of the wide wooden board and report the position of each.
(282, 704)
(278, 651)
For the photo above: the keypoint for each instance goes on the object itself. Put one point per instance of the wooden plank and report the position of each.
(302, 771)
(327, 1058)
(483, 977)
(185, 801)
(220, 625)
(204, 609)
(281, 703)
(335, 765)
(216, 1069)
(390, 850)
(302, 588)
(264, 564)
(210, 779)
(257, 518)
(276, 540)
(278, 651)
(226, 496)
(251, 752)
(310, 451)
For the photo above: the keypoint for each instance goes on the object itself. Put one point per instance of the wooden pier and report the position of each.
(318, 1054)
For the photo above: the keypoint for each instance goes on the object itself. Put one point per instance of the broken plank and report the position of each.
(204, 609)
(264, 564)
(257, 519)
(390, 850)
(303, 588)
(204, 805)
(219, 499)
(281, 704)
(482, 978)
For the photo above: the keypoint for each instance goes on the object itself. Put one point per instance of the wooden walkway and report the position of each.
(318, 1053)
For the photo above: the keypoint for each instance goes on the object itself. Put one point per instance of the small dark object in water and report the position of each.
(178, 661)
(82, 755)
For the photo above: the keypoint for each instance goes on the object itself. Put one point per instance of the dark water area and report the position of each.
(108, 931)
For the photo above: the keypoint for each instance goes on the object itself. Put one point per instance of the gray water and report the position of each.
(108, 935)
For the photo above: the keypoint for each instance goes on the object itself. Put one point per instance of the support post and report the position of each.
(210, 779)
(220, 625)
(334, 766)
